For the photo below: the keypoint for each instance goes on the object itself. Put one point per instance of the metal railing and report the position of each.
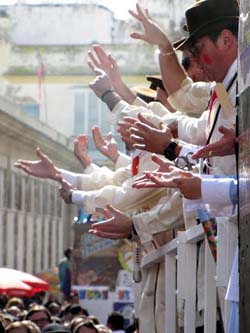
(180, 256)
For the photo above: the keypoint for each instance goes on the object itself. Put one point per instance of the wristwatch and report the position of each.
(169, 151)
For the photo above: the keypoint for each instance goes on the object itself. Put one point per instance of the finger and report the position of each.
(93, 59)
(147, 14)
(185, 174)
(136, 35)
(137, 139)
(129, 120)
(144, 120)
(109, 136)
(40, 154)
(204, 152)
(59, 178)
(23, 167)
(107, 214)
(91, 65)
(141, 13)
(100, 52)
(97, 137)
(225, 130)
(108, 235)
(113, 62)
(139, 146)
(113, 211)
(107, 226)
(134, 14)
(146, 185)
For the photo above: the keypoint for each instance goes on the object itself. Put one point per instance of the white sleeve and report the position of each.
(122, 161)
(216, 191)
(87, 182)
(192, 97)
(193, 130)
(167, 214)
(122, 197)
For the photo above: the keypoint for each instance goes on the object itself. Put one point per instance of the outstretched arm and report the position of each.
(42, 168)
(100, 59)
(118, 225)
(171, 71)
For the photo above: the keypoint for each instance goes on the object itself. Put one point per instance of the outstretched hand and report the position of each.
(101, 83)
(106, 145)
(117, 226)
(101, 60)
(153, 34)
(42, 168)
(81, 150)
(65, 191)
(147, 137)
(223, 147)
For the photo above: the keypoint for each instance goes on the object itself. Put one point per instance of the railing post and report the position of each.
(186, 280)
(210, 298)
(170, 293)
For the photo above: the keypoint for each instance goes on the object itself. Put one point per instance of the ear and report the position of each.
(226, 40)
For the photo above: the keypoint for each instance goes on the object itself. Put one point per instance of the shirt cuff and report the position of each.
(216, 191)
(187, 149)
(78, 198)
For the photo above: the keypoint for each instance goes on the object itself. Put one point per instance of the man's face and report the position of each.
(40, 318)
(209, 58)
(192, 68)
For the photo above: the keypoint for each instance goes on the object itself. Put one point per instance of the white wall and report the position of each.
(61, 25)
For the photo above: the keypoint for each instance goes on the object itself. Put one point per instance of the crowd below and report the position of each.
(44, 313)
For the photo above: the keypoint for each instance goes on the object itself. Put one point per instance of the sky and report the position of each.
(120, 8)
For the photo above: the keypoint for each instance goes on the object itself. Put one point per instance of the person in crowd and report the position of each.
(39, 315)
(64, 273)
(86, 326)
(56, 328)
(21, 327)
(15, 301)
(115, 322)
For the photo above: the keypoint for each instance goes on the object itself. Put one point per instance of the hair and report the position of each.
(54, 308)
(3, 300)
(103, 329)
(85, 323)
(76, 321)
(115, 321)
(15, 301)
(33, 328)
(233, 27)
(94, 319)
(38, 308)
(21, 324)
(68, 252)
(186, 62)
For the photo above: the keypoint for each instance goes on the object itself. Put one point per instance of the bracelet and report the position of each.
(106, 93)
(70, 197)
(166, 54)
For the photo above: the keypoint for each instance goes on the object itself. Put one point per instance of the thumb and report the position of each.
(98, 71)
(59, 178)
(40, 154)
(109, 136)
(185, 174)
(112, 61)
(112, 210)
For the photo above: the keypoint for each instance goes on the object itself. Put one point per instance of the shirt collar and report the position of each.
(230, 73)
